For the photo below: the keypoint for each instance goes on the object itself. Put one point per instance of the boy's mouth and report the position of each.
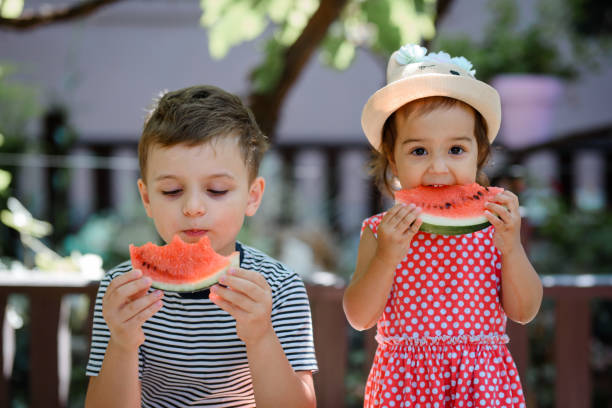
(197, 233)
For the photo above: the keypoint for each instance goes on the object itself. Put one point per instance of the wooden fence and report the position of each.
(49, 373)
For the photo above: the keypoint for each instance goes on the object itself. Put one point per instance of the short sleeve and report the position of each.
(372, 222)
(100, 334)
(292, 323)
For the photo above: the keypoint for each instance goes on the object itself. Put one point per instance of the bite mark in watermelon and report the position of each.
(180, 266)
(450, 210)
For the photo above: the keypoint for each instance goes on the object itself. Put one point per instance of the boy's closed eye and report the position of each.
(217, 192)
(172, 192)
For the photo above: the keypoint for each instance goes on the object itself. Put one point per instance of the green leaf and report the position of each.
(230, 24)
(336, 51)
(11, 8)
(5, 180)
(266, 75)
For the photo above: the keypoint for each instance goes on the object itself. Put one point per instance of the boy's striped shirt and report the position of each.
(192, 355)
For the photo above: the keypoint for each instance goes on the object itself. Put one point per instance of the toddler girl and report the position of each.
(440, 302)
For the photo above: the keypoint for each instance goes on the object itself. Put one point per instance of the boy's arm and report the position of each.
(117, 383)
(248, 298)
(521, 288)
(376, 263)
(125, 307)
(274, 381)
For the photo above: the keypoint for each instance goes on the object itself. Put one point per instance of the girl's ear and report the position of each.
(392, 165)
(144, 196)
(256, 191)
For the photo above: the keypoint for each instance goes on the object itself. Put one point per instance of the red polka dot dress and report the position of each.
(442, 335)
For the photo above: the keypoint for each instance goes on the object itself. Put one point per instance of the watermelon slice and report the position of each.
(180, 266)
(450, 210)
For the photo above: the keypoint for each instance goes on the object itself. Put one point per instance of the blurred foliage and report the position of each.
(18, 107)
(573, 241)
(506, 48)
(109, 235)
(382, 25)
(11, 8)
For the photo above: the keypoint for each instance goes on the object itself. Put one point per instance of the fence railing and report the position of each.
(49, 345)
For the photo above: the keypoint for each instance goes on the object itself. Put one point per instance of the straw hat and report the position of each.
(413, 74)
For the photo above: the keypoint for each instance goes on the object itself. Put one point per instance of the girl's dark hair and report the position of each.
(197, 115)
(379, 165)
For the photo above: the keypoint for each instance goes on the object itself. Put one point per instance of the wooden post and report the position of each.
(369, 344)
(519, 347)
(4, 381)
(331, 347)
(572, 349)
(44, 324)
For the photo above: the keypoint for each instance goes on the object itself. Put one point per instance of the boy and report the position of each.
(244, 343)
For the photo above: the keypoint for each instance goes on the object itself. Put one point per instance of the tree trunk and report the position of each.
(267, 106)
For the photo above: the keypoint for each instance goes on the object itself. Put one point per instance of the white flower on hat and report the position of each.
(464, 63)
(441, 56)
(410, 53)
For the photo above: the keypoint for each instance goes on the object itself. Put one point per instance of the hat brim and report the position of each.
(481, 96)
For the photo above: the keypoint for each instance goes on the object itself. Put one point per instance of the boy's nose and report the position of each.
(194, 207)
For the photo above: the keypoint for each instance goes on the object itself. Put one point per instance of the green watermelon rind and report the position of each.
(201, 284)
(452, 230)
(449, 226)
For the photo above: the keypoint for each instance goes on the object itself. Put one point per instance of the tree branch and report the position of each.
(266, 106)
(442, 7)
(34, 19)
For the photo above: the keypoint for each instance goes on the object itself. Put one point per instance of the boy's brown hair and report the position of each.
(379, 165)
(199, 114)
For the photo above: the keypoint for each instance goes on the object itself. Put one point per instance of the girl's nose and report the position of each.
(194, 206)
(438, 165)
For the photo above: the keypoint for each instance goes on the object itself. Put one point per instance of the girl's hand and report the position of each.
(395, 232)
(126, 306)
(504, 214)
(248, 298)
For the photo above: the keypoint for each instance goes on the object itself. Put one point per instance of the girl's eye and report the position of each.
(217, 192)
(419, 151)
(172, 192)
(456, 150)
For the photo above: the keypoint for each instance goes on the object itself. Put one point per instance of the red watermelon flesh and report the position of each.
(450, 210)
(180, 266)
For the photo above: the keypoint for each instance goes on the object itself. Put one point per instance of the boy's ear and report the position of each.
(256, 191)
(144, 196)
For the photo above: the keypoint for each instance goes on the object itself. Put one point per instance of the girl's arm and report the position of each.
(376, 263)
(521, 288)
(125, 307)
(248, 298)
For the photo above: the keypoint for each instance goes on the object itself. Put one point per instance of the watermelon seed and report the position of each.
(477, 197)
(448, 205)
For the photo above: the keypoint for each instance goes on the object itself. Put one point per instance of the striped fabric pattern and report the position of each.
(192, 355)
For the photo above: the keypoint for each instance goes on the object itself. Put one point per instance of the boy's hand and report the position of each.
(248, 298)
(126, 306)
(395, 232)
(503, 213)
